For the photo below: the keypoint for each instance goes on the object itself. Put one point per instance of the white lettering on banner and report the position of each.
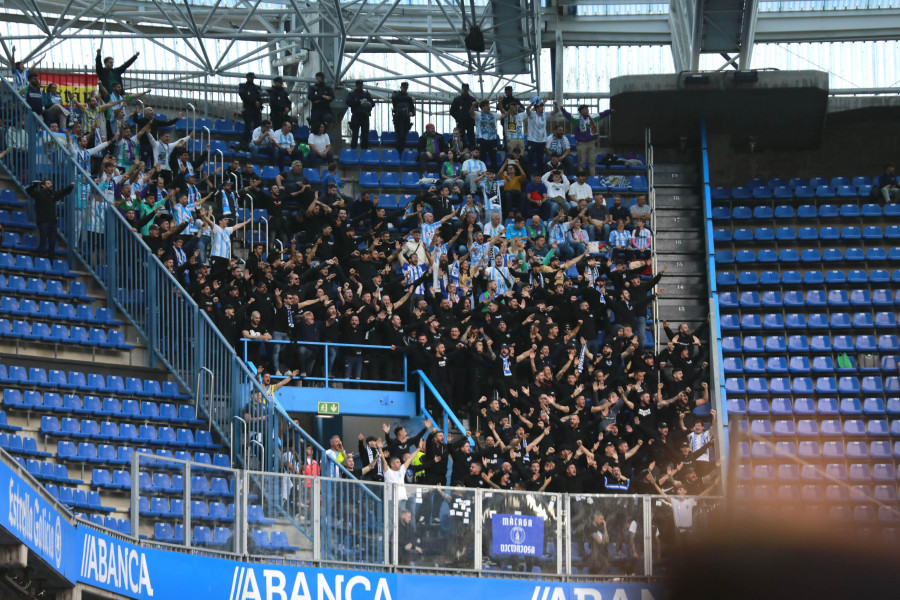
(35, 525)
(245, 585)
(115, 565)
(582, 593)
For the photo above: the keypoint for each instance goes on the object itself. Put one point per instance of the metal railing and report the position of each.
(717, 391)
(447, 415)
(178, 335)
(299, 518)
(318, 360)
(651, 199)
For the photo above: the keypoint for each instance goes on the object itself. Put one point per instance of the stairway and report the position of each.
(681, 245)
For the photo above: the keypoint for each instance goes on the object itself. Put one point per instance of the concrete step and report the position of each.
(675, 178)
(677, 198)
(682, 242)
(680, 309)
(681, 263)
(681, 285)
(692, 168)
(676, 219)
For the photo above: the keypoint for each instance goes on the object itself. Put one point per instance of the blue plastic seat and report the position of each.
(784, 211)
(795, 321)
(811, 255)
(754, 365)
(748, 278)
(753, 344)
(751, 322)
(731, 345)
(728, 279)
(775, 344)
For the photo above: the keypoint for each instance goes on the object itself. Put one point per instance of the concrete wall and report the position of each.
(854, 142)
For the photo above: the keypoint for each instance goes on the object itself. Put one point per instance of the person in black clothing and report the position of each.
(403, 444)
(403, 111)
(320, 97)
(461, 112)
(360, 103)
(251, 97)
(107, 74)
(279, 103)
(45, 199)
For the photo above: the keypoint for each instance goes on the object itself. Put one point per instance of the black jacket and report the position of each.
(355, 101)
(461, 108)
(250, 94)
(45, 201)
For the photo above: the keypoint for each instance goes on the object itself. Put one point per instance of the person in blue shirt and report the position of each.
(536, 198)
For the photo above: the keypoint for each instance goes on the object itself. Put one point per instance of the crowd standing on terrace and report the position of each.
(518, 289)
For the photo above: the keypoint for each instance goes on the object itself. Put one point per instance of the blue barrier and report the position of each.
(716, 359)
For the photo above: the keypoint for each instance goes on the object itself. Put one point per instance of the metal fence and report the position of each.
(178, 335)
(328, 521)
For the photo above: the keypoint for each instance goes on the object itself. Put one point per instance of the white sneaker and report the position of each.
(277, 373)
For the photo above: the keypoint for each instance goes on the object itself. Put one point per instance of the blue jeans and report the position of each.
(277, 348)
(256, 149)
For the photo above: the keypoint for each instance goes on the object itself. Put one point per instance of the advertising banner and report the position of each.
(37, 523)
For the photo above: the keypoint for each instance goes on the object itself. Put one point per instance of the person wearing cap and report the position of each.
(403, 110)
(360, 103)
(460, 110)
(252, 100)
(432, 148)
(279, 103)
(320, 96)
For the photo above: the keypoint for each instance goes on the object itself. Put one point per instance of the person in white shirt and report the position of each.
(473, 170)
(557, 187)
(262, 138)
(579, 190)
(320, 145)
(536, 136)
(162, 150)
(395, 472)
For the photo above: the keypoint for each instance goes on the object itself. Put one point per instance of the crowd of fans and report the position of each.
(522, 294)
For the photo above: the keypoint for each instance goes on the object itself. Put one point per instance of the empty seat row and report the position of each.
(804, 385)
(92, 382)
(47, 471)
(76, 498)
(27, 242)
(753, 344)
(167, 508)
(51, 311)
(784, 192)
(162, 483)
(851, 449)
(41, 265)
(812, 298)
(808, 255)
(61, 334)
(837, 320)
(803, 212)
(874, 407)
(24, 445)
(805, 234)
(51, 288)
(278, 541)
(126, 432)
(109, 408)
(786, 212)
(826, 428)
(807, 278)
(801, 364)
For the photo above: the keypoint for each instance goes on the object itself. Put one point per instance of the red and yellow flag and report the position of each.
(78, 84)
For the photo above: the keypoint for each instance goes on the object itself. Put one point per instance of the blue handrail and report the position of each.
(449, 415)
(327, 377)
(717, 377)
